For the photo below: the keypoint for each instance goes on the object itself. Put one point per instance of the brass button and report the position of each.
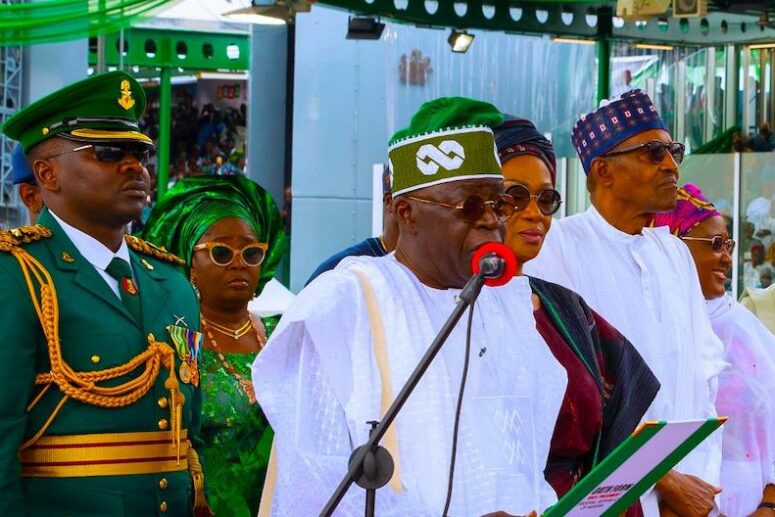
(163, 484)
(163, 424)
(162, 402)
(95, 359)
(163, 506)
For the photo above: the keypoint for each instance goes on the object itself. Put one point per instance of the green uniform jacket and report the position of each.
(96, 332)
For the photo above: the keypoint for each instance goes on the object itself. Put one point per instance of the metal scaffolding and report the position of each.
(11, 212)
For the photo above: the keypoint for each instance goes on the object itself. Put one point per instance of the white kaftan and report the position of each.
(647, 287)
(318, 383)
(745, 395)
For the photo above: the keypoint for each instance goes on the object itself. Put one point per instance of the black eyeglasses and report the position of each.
(548, 200)
(113, 153)
(656, 150)
(717, 242)
(223, 255)
(474, 206)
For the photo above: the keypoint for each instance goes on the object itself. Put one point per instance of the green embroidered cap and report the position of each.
(449, 139)
(101, 108)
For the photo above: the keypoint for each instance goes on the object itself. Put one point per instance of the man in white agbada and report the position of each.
(747, 384)
(643, 280)
(350, 340)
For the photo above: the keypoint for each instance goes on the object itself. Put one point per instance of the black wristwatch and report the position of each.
(769, 506)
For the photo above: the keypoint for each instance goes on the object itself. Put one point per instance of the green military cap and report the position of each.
(102, 108)
(448, 139)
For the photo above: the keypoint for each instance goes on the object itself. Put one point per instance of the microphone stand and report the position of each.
(371, 465)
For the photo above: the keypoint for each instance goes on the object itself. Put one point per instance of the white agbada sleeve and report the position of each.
(746, 396)
(705, 460)
(303, 394)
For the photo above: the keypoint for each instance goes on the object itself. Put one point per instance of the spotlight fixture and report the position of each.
(460, 41)
(269, 12)
(363, 27)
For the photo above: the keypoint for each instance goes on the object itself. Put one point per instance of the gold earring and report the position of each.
(192, 280)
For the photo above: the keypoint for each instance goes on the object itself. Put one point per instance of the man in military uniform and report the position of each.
(99, 341)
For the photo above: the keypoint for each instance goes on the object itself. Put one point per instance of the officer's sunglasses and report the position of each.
(548, 200)
(656, 150)
(223, 255)
(717, 242)
(113, 153)
(473, 207)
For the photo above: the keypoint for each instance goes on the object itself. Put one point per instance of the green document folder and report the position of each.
(633, 467)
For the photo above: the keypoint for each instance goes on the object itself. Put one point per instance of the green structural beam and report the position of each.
(189, 50)
(603, 69)
(165, 128)
(563, 18)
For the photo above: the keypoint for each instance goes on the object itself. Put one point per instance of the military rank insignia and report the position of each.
(188, 343)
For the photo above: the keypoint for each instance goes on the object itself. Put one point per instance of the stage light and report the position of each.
(364, 28)
(652, 46)
(460, 41)
(574, 41)
(269, 12)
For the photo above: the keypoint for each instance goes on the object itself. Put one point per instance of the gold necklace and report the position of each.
(245, 384)
(227, 331)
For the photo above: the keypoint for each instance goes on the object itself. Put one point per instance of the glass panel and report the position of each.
(695, 99)
(716, 108)
(578, 196)
(714, 174)
(757, 253)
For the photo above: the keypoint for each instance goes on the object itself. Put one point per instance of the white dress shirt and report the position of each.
(95, 253)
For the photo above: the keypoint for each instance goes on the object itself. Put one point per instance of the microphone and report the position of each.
(495, 262)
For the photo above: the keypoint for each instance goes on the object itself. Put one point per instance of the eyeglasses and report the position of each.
(474, 206)
(717, 242)
(656, 150)
(223, 254)
(112, 153)
(548, 200)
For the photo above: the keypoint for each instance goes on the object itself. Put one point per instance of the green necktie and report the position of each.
(122, 272)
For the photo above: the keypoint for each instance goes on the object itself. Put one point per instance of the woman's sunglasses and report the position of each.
(223, 255)
(717, 242)
(113, 153)
(656, 150)
(548, 200)
(473, 207)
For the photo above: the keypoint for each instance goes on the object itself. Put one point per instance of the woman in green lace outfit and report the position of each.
(229, 232)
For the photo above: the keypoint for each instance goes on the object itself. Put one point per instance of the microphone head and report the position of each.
(500, 252)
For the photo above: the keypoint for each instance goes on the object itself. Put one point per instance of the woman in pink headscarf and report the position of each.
(746, 387)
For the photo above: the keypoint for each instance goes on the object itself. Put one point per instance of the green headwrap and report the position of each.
(193, 205)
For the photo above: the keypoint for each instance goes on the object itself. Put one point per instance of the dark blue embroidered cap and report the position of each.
(608, 126)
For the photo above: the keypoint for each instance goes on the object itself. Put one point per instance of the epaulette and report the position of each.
(10, 239)
(147, 248)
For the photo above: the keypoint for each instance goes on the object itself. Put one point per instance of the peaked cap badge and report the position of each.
(126, 101)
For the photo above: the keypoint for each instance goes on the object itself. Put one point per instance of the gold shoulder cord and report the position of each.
(82, 386)
(147, 248)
